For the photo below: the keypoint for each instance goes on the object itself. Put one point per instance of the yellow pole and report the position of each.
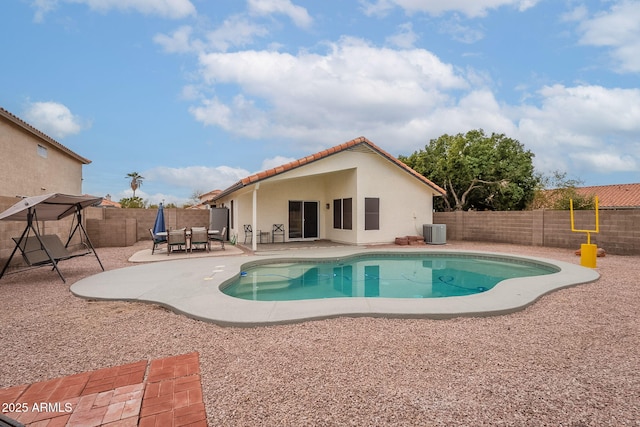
(588, 252)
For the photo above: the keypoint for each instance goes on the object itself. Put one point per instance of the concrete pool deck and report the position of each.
(191, 286)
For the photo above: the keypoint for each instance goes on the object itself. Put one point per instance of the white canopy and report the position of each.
(48, 207)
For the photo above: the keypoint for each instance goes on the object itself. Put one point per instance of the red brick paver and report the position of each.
(173, 396)
(121, 396)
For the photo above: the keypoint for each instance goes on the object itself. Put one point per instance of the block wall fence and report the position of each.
(108, 227)
(619, 229)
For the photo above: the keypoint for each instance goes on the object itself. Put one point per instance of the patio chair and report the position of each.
(157, 241)
(199, 237)
(219, 237)
(278, 230)
(248, 232)
(176, 239)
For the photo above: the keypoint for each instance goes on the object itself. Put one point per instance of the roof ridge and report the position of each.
(610, 185)
(259, 176)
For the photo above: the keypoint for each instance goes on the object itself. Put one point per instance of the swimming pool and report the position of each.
(194, 287)
(380, 276)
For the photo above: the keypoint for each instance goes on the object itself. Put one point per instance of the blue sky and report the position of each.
(196, 94)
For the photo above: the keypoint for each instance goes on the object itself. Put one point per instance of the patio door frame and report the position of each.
(302, 220)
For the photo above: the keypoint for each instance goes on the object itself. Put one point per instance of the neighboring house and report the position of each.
(204, 200)
(208, 197)
(354, 193)
(617, 196)
(108, 203)
(32, 163)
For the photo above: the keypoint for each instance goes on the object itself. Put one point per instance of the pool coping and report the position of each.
(192, 287)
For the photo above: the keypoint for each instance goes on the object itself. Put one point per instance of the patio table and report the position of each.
(210, 233)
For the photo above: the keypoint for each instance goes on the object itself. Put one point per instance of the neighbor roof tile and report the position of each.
(614, 196)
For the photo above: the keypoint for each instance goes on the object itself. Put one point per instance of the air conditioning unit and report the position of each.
(435, 234)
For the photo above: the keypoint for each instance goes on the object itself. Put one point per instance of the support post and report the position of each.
(588, 252)
(254, 219)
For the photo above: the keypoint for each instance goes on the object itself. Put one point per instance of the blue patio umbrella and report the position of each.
(159, 224)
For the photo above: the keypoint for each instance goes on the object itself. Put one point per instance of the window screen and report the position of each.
(371, 213)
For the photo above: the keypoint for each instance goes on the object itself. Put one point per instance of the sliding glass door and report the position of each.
(303, 219)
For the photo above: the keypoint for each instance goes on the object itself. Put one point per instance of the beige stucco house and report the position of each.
(32, 163)
(354, 193)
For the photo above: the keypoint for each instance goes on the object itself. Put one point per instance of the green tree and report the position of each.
(132, 202)
(135, 181)
(478, 171)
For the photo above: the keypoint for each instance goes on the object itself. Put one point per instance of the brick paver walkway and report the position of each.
(163, 392)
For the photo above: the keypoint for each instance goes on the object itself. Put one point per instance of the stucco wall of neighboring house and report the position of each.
(405, 202)
(24, 171)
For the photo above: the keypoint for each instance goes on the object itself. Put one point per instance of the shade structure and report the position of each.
(159, 226)
(48, 207)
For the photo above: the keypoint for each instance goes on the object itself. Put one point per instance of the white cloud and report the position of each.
(402, 98)
(607, 162)
(460, 32)
(54, 119)
(619, 30)
(353, 87)
(173, 9)
(276, 161)
(576, 14)
(240, 117)
(179, 41)
(593, 110)
(297, 14)
(405, 38)
(470, 8)
(585, 127)
(235, 31)
(206, 178)
(42, 7)
(152, 198)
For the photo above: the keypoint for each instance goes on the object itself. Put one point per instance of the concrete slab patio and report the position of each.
(158, 255)
(191, 286)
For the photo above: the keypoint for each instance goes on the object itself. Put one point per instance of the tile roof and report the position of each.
(206, 197)
(39, 134)
(361, 141)
(614, 196)
(109, 204)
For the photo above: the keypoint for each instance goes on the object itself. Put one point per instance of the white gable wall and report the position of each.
(405, 202)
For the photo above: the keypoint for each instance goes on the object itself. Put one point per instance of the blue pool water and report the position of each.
(384, 276)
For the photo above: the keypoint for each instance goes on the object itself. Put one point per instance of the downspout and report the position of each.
(254, 220)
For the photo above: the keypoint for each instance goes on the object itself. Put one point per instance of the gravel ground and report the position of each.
(570, 359)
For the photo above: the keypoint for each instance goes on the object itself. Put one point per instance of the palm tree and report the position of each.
(136, 181)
